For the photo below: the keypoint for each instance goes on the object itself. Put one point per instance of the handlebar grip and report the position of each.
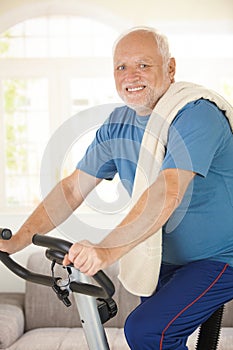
(5, 233)
(52, 243)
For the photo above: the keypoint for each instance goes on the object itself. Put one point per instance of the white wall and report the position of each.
(130, 10)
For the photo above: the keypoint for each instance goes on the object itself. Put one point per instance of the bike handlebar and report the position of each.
(105, 289)
(24, 273)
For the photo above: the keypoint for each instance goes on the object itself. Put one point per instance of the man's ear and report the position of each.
(172, 69)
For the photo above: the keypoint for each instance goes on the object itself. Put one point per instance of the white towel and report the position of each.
(139, 269)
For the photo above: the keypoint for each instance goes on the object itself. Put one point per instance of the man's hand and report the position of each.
(12, 245)
(89, 258)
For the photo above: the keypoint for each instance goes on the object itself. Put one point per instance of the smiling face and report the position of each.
(141, 77)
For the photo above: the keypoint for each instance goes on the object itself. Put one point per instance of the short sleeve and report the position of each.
(97, 160)
(195, 137)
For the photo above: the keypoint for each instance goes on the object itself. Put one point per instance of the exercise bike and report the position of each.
(94, 301)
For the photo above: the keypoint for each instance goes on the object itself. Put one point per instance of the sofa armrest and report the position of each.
(11, 324)
(12, 298)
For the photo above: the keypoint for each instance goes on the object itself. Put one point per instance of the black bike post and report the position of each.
(209, 332)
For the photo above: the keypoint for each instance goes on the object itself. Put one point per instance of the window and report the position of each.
(50, 69)
(26, 127)
(58, 37)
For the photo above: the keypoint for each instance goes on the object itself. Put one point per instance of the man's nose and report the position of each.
(132, 74)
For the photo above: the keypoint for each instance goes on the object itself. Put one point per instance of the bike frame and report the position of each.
(89, 315)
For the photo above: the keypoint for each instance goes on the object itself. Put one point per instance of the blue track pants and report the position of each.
(185, 297)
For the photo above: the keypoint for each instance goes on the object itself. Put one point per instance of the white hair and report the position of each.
(161, 40)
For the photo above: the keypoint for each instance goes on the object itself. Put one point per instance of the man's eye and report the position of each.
(121, 67)
(143, 65)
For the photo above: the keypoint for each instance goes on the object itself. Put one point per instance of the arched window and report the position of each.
(50, 68)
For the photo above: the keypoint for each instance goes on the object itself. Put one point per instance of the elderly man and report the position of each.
(190, 196)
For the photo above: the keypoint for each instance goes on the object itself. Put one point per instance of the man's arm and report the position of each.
(151, 212)
(60, 203)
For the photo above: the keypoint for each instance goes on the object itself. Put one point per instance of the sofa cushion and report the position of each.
(11, 324)
(51, 339)
(65, 339)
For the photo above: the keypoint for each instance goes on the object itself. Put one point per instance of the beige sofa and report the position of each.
(37, 320)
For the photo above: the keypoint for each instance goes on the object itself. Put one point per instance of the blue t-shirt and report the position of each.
(200, 140)
(116, 146)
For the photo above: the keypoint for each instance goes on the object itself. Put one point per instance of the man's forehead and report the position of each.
(136, 49)
(140, 58)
